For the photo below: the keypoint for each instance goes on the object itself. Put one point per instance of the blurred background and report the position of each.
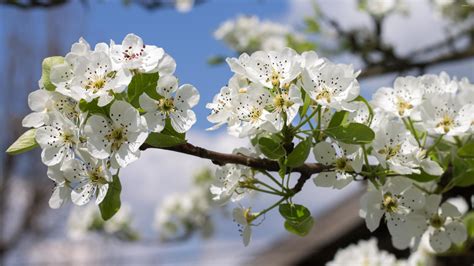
(383, 40)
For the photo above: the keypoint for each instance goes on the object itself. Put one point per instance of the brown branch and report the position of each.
(306, 170)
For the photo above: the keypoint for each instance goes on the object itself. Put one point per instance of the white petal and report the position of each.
(104, 99)
(182, 120)
(52, 156)
(35, 119)
(37, 100)
(167, 65)
(74, 170)
(324, 153)
(413, 199)
(246, 234)
(125, 115)
(147, 103)
(167, 85)
(325, 179)
(373, 211)
(124, 156)
(83, 194)
(449, 210)
(457, 232)
(155, 121)
(238, 216)
(439, 241)
(432, 203)
(187, 97)
(102, 192)
(60, 195)
(431, 167)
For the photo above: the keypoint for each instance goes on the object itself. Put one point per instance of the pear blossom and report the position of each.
(57, 139)
(177, 108)
(364, 253)
(397, 200)
(444, 224)
(229, 179)
(62, 190)
(43, 103)
(346, 159)
(438, 85)
(244, 218)
(446, 116)
(119, 137)
(251, 115)
(272, 69)
(402, 100)
(134, 54)
(223, 103)
(96, 78)
(332, 85)
(397, 149)
(89, 177)
(285, 107)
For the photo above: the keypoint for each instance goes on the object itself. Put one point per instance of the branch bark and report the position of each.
(218, 158)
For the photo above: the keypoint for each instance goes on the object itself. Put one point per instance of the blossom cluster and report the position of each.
(248, 34)
(366, 252)
(92, 113)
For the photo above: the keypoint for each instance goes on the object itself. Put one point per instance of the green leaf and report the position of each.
(294, 212)
(312, 26)
(216, 60)
(168, 137)
(467, 150)
(339, 118)
(298, 218)
(306, 103)
(299, 155)
(271, 148)
(423, 177)
(353, 133)
(92, 107)
(142, 83)
(47, 64)
(301, 228)
(111, 203)
(465, 179)
(469, 222)
(24, 143)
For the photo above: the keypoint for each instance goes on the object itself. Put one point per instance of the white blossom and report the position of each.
(119, 137)
(244, 218)
(62, 190)
(346, 160)
(176, 107)
(364, 253)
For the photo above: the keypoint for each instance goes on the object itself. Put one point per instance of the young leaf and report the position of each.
(298, 156)
(162, 140)
(467, 150)
(339, 118)
(465, 179)
(423, 177)
(24, 143)
(111, 203)
(300, 228)
(353, 133)
(47, 64)
(142, 83)
(469, 222)
(271, 148)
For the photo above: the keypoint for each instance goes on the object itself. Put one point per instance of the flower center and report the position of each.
(390, 203)
(166, 105)
(131, 53)
(342, 164)
(390, 152)
(249, 216)
(96, 176)
(117, 137)
(281, 101)
(437, 221)
(446, 123)
(255, 114)
(403, 106)
(324, 94)
(275, 78)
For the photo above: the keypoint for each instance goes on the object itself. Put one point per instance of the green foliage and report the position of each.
(48, 63)
(465, 179)
(467, 150)
(142, 83)
(423, 177)
(168, 137)
(300, 46)
(216, 60)
(339, 118)
(469, 222)
(298, 219)
(299, 155)
(93, 108)
(24, 143)
(353, 133)
(111, 203)
(312, 25)
(306, 103)
(271, 148)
